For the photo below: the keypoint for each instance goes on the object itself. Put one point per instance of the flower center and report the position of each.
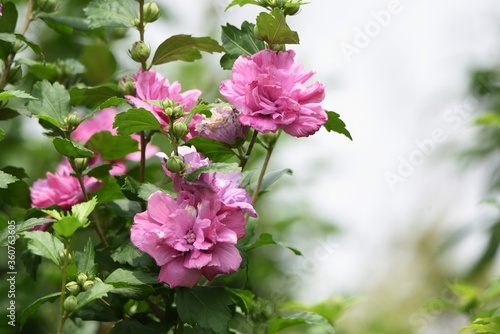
(190, 237)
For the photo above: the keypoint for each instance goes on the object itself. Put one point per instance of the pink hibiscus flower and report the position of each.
(223, 125)
(188, 237)
(269, 90)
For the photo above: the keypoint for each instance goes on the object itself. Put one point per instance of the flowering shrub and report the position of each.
(166, 244)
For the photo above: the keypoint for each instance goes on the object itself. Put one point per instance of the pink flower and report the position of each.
(223, 126)
(150, 85)
(225, 185)
(61, 188)
(269, 90)
(188, 237)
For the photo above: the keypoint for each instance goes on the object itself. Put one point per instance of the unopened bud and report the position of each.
(127, 86)
(97, 279)
(257, 33)
(87, 285)
(139, 52)
(70, 304)
(71, 122)
(81, 163)
(180, 129)
(291, 8)
(175, 164)
(278, 47)
(73, 288)
(81, 278)
(151, 12)
(47, 6)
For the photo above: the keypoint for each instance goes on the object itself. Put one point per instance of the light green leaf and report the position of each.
(77, 23)
(489, 119)
(33, 46)
(241, 3)
(146, 189)
(272, 177)
(6, 179)
(2, 133)
(46, 245)
(82, 210)
(185, 48)
(239, 42)
(97, 291)
(212, 149)
(112, 147)
(334, 123)
(21, 227)
(66, 226)
(71, 149)
(85, 261)
(52, 102)
(110, 13)
(131, 277)
(282, 322)
(33, 307)
(15, 93)
(267, 239)
(274, 30)
(218, 167)
(135, 120)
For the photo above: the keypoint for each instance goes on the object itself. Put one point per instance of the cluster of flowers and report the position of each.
(195, 233)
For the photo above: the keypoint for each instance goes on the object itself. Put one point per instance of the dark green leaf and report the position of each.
(334, 123)
(124, 207)
(15, 93)
(218, 167)
(33, 46)
(16, 193)
(212, 149)
(8, 22)
(98, 290)
(206, 307)
(267, 239)
(67, 226)
(114, 101)
(92, 97)
(52, 101)
(274, 29)
(46, 245)
(33, 307)
(110, 13)
(1, 134)
(132, 277)
(6, 179)
(135, 120)
(112, 147)
(98, 171)
(71, 149)
(132, 326)
(241, 3)
(239, 42)
(309, 318)
(85, 261)
(7, 113)
(77, 23)
(127, 253)
(109, 191)
(41, 70)
(185, 48)
(99, 62)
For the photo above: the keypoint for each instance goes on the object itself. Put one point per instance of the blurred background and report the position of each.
(386, 221)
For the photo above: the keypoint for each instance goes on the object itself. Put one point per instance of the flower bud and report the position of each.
(291, 8)
(73, 288)
(81, 163)
(175, 164)
(70, 304)
(180, 129)
(151, 12)
(139, 52)
(47, 6)
(257, 33)
(71, 122)
(87, 285)
(127, 86)
(97, 279)
(81, 278)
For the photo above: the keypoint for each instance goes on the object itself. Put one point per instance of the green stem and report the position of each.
(142, 166)
(141, 30)
(62, 314)
(173, 139)
(244, 158)
(263, 172)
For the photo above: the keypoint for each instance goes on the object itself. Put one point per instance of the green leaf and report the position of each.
(489, 119)
(272, 177)
(15, 93)
(2, 133)
(52, 102)
(282, 322)
(274, 29)
(241, 3)
(185, 48)
(33, 307)
(110, 13)
(46, 245)
(334, 123)
(33, 46)
(218, 167)
(6, 179)
(132, 326)
(82, 210)
(206, 307)
(146, 189)
(66, 226)
(239, 42)
(212, 149)
(21, 227)
(137, 277)
(135, 120)
(267, 239)
(7, 113)
(8, 22)
(85, 261)
(97, 291)
(71, 149)
(41, 70)
(127, 253)
(114, 101)
(100, 63)
(77, 23)
(91, 97)
(109, 191)
(112, 147)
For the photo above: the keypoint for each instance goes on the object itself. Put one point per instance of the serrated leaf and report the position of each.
(98, 290)
(46, 245)
(267, 239)
(135, 120)
(21, 227)
(85, 262)
(82, 210)
(67, 226)
(185, 48)
(212, 149)
(33, 307)
(241, 3)
(239, 42)
(15, 93)
(110, 13)
(52, 102)
(6, 179)
(137, 277)
(71, 149)
(92, 97)
(217, 167)
(334, 123)
(299, 318)
(274, 30)
(112, 147)
(206, 307)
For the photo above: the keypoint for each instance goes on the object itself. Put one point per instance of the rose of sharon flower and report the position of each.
(223, 126)
(150, 85)
(225, 185)
(269, 90)
(188, 237)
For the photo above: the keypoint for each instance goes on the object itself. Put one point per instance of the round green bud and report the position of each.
(127, 86)
(175, 164)
(97, 279)
(73, 288)
(70, 303)
(81, 163)
(257, 33)
(47, 6)
(279, 47)
(140, 52)
(180, 129)
(151, 12)
(291, 8)
(81, 278)
(87, 285)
